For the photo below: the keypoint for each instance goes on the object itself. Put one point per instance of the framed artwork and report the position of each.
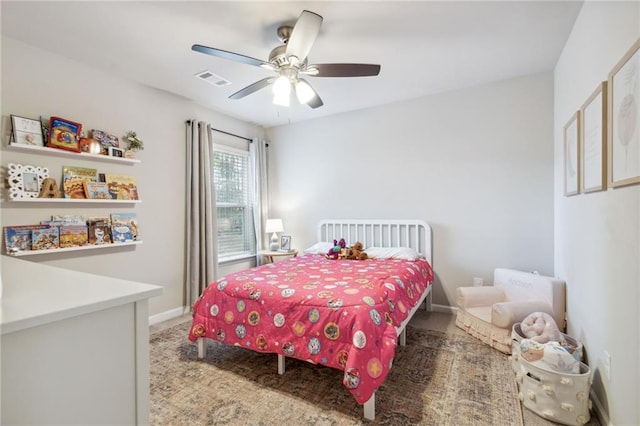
(571, 155)
(26, 131)
(64, 134)
(593, 143)
(25, 181)
(285, 243)
(116, 152)
(44, 123)
(624, 119)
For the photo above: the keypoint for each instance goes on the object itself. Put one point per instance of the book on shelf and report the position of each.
(96, 190)
(73, 179)
(124, 227)
(99, 230)
(69, 219)
(121, 187)
(46, 238)
(73, 235)
(18, 238)
(106, 140)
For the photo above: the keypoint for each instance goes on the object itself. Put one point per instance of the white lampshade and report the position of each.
(274, 225)
(304, 92)
(282, 91)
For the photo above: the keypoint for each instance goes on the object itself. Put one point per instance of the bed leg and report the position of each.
(201, 348)
(280, 364)
(370, 408)
(427, 302)
(403, 337)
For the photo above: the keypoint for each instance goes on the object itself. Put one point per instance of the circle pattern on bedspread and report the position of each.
(337, 313)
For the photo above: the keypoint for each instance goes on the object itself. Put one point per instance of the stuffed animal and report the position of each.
(356, 252)
(541, 327)
(335, 251)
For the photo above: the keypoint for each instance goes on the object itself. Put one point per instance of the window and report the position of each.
(231, 174)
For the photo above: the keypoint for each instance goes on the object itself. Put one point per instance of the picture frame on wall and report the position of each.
(25, 181)
(572, 155)
(285, 243)
(64, 134)
(116, 152)
(624, 119)
(26, 131)
(593, 143)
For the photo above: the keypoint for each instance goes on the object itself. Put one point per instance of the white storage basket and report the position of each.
(516, 339)
(559, 397)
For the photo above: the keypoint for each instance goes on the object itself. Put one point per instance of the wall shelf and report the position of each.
(68, 249)
(62, 153)
(74, 200)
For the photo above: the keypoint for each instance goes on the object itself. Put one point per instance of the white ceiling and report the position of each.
(423, 47)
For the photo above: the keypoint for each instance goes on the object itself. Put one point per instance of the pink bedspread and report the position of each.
(337, 313)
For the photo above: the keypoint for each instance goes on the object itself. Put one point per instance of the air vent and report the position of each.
(212, 78)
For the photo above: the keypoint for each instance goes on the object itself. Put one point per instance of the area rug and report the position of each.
(437, 379)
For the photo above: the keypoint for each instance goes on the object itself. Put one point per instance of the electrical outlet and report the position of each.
(606, 365)
(477, 282)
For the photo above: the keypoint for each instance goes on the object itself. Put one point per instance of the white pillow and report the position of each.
(319, 248)
(392, 253)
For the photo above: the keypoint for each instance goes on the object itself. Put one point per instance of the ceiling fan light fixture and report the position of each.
(304, 92)
(282, 86)
(282, 91)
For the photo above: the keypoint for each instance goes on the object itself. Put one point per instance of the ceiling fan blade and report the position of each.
(228, 55)
(303, 35)
(260, 84)
(343, 70)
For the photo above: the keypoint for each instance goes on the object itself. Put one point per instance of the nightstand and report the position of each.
(269, 255)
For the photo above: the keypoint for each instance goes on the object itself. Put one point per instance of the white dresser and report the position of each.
(74, 347)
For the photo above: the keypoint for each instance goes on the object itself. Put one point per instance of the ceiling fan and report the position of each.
(289, 61)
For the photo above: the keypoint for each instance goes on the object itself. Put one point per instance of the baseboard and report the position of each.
(167, 315)
(445, 309)
(598, 409)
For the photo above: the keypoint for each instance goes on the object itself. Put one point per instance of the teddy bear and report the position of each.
(541, 327)
(356, 252)
(335, 251)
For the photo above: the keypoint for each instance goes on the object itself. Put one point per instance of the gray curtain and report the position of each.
(259, 190)
(202, 247)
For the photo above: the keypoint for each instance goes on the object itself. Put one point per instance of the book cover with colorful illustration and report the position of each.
(121, 187)
(96, 190)
(73, 179)
(43, 239)
(73, 235)
(124, 227)
(18, 238)
(106, 140)
(99, 230)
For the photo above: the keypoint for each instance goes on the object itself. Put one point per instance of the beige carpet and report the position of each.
(437, 379)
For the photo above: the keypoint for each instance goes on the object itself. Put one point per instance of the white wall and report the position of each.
(477, 164)
(598, 234)
(36, 83)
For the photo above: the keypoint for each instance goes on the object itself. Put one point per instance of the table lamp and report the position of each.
(275, 226)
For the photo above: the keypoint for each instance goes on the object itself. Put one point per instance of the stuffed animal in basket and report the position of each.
(550, 356)
(356, 252)
(335, 251)
(541, 327)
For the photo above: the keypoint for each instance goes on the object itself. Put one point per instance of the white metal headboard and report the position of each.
(380, 233)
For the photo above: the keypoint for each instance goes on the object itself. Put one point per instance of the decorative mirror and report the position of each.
(25, 181)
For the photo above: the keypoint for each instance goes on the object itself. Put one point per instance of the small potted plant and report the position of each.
(134, 144)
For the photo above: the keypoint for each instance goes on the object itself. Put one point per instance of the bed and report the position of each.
(344, 314)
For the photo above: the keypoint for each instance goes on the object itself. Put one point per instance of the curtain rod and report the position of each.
(227, 133)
